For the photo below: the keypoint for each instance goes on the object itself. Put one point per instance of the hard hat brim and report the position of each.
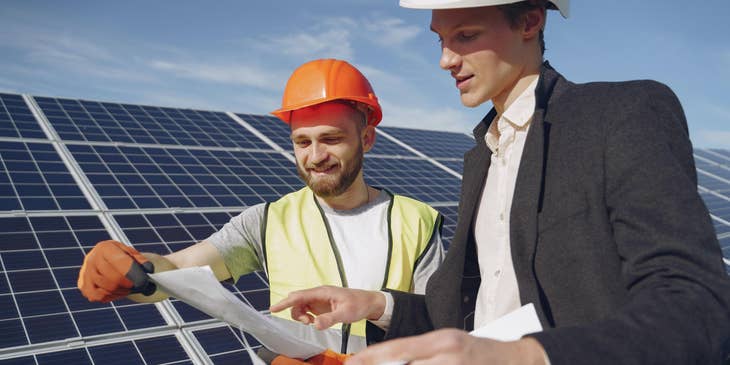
(563, 6)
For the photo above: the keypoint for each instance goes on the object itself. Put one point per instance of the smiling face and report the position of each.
(484, 54)
(329, 142)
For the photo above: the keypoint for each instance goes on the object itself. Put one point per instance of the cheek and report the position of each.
(300, 156)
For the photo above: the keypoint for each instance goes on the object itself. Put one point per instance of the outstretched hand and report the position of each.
(325, 306)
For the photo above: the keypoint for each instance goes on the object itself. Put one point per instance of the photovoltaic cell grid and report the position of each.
(416, 178)
(434, 144)
(224, 345)
(16, 120)
(167, 233)
(39, 301)
(150, 177)
(33, 177)
(450, 214)
(455, 165)
(79, 120)
(280, 133)
(713, 175)
(147, 351)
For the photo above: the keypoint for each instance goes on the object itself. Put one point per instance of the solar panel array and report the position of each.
(75, 172)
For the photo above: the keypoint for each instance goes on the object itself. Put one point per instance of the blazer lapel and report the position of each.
(476, 162)
(526, 201)
(447, 307)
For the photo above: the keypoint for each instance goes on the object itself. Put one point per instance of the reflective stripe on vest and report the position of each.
(300, 253)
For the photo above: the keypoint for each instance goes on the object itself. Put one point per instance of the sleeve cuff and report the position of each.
(384, 321)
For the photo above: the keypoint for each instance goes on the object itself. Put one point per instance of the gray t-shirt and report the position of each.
(360, 235)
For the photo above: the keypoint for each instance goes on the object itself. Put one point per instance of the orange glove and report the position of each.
(328, 357)
(112, 270)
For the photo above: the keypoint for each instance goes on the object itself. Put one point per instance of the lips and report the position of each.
(462, 81)
(322, 170)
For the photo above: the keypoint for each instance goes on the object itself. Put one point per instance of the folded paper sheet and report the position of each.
(198, 287)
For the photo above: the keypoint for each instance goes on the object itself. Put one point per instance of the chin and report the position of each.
(470, 102)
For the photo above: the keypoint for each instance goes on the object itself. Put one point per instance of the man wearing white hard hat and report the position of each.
(578, 198)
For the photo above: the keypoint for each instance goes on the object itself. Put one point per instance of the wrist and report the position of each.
(377, 305)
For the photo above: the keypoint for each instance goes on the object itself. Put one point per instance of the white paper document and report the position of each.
(198, 287)
(511, 326)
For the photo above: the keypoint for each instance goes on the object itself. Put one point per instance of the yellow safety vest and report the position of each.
(300, 253)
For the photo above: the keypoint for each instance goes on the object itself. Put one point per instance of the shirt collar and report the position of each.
(518, 115)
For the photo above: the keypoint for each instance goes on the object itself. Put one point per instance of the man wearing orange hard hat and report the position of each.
(335, 231)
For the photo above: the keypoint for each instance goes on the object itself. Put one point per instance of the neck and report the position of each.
(357, 195)
(527, 76)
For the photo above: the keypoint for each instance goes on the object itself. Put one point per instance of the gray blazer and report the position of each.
(609, 237)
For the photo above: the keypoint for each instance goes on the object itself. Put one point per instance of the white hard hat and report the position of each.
(561, 5)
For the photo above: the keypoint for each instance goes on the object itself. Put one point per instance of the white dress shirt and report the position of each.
(499, 293)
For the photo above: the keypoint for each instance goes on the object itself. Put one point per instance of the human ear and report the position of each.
(533, 23)
(368, 138)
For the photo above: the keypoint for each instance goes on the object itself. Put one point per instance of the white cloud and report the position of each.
(237, 74)
(391, 32)
(334, 43)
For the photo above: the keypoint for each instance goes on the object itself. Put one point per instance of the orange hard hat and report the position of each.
(324, 80)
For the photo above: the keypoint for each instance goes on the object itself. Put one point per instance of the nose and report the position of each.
(449, 59)
(318, 153)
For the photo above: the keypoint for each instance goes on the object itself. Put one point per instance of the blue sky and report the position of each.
(236, 55)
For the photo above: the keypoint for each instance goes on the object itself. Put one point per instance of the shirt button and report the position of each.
(496, 273)
(501, 216)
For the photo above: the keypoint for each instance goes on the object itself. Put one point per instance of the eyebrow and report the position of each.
(326, 134)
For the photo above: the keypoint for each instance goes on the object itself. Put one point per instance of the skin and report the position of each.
(489, 61)
(329, 141)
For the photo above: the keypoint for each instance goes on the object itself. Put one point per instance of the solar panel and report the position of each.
(450, 213)
(16, 119)
(416, 178)
(79, 120)
(40, 257)
(154, 350)
(224, 345)
(455, 165)
(434, 144)
(161, 179)
(147, 177)
(34, 177)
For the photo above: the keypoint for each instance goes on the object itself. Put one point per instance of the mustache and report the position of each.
(320, 166)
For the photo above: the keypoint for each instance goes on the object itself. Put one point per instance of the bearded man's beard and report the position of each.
(334, 185)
